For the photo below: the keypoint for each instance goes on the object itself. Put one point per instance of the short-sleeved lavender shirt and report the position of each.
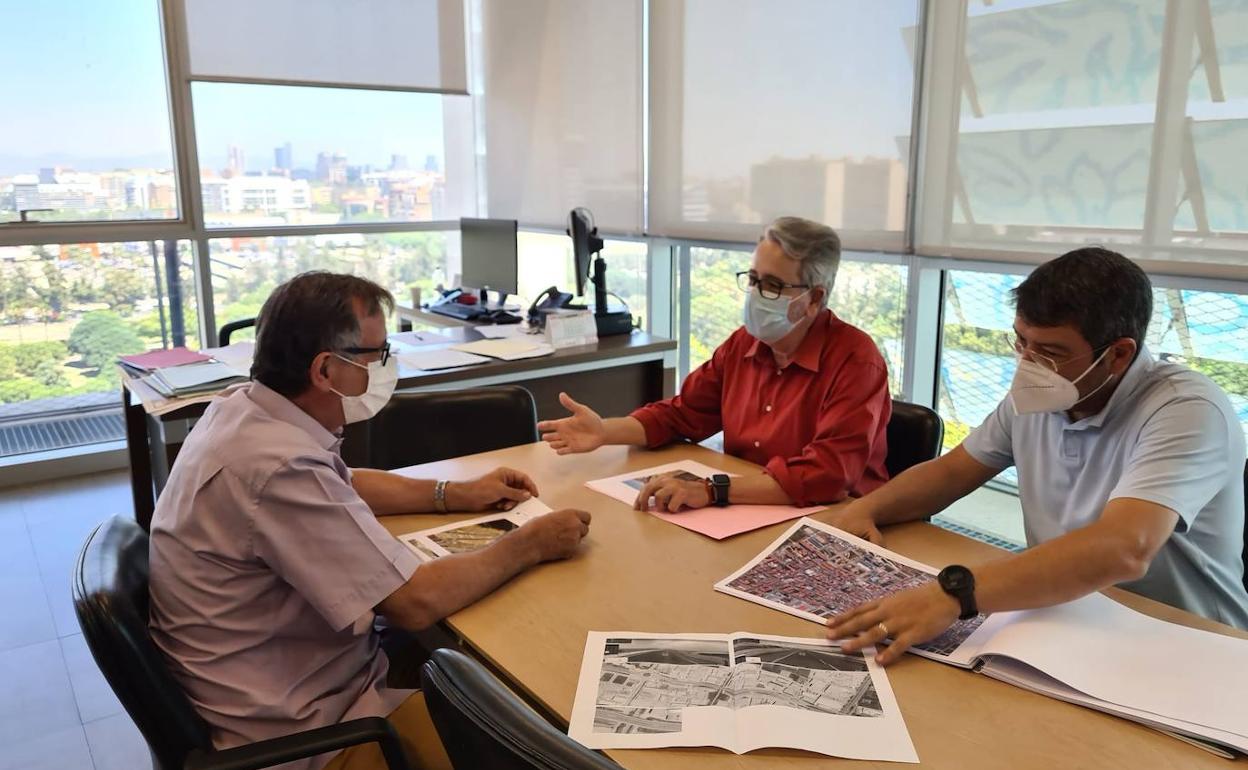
(266, 566)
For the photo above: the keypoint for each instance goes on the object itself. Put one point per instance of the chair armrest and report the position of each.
(308, 743)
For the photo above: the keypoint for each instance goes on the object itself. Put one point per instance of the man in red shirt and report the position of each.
(796, 390)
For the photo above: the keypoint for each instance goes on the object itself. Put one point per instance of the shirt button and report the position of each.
(768, 407)
(756, 445)
(778, 372)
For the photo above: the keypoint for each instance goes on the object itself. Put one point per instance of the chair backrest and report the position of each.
(430, 426)
(914, 436)
(483, 724)
(110, 591)
(1245, 554)
(223, 336)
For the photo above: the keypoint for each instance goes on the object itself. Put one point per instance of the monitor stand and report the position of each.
(609, 323)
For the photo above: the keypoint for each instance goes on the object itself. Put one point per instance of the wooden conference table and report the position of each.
(614, 376)
(638, 573)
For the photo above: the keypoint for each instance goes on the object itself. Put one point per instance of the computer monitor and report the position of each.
(489, 255)
(585, 243)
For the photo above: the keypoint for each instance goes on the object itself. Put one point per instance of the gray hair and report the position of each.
(816, 246)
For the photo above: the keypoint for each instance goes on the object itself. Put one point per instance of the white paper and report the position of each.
(737, 691)
(1115, 654)
(237, 355)
(510, 349)
(416, 339)
(471, 534)
(432, 359)
(503, 331)
(195, 377)
(822, 571)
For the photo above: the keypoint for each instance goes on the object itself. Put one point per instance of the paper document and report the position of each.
(504, 331)
(433, 359)
(737, 691)
(717, 523)
(237, 355)
(1093, 651)
(193, 378)
(157, 359)
(472, 534)
(815, 571)
(510, 349)
(421, 339)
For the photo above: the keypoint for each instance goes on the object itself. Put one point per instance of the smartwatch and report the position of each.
(958, 582)
(719, 489)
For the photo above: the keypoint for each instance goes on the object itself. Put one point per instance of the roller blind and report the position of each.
(407, 44)
(562, 110)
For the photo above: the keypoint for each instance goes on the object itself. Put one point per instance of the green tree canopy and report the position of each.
(100, 337)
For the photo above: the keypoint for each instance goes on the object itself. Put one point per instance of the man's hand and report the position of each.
(499, 490)
(910, 617)
(555, 535)
(671, 493)
(582, 432)
(854, 519)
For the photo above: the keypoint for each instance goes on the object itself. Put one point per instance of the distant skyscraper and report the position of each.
(338, 169)
(431, 164)
(322, 166)
(398, 163)
(236, 163)
(283, 157)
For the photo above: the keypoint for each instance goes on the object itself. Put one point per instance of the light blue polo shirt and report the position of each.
(1168, 435)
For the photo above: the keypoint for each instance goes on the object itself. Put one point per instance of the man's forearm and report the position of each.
(759, 489)
(388, 493)
(926, 489)
(624, 430)
(447, 585)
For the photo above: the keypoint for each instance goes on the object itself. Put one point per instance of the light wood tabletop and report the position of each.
(636, 572)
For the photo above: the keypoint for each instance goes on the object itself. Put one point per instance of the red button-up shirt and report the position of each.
(818, 425)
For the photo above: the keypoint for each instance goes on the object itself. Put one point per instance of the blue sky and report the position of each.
(85, 86)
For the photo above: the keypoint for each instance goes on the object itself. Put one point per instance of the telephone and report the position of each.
(551, 299)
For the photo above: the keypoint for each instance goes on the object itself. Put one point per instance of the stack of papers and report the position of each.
(415, 339)
(430, 360)
(152, 360)
(509, 349)
(192, 379)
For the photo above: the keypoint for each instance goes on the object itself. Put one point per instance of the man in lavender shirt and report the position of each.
(268, 564)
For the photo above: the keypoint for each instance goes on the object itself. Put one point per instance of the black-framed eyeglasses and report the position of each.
(769, 288)
(383, 350)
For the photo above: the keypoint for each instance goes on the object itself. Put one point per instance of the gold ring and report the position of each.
(883, 628)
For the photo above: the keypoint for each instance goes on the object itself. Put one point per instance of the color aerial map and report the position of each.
(816, 572)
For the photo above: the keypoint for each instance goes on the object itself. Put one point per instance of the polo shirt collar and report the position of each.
(1127, 387)
(809, 354)
(285, 410)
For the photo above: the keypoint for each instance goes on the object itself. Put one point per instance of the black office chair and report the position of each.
(483, 724)
(223, 336)
(111, 600)
(426, 427)
(914, 436)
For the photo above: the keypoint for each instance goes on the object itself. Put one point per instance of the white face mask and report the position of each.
(381, 382)
(771, 320)
(1037, 388)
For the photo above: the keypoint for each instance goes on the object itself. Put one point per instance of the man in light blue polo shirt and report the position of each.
(1130, 470)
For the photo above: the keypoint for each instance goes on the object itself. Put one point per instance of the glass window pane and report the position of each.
(246, 270)
(87, 127)
(868, 295)
(756, 123)
(284, 155)
(68, 311)
(545, 260)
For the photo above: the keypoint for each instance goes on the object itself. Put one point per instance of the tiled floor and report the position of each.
(56, 710)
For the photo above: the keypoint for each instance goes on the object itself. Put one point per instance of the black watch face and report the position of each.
(956, 579)
(720, 479)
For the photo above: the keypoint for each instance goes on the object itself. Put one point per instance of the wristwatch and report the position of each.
(717, 485)
(958, 582)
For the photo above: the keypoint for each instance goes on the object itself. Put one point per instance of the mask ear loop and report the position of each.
(1085, 372)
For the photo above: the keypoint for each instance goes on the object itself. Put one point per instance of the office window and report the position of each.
(68, 311)
(546, 260)
(759, 110)
(1056, 141)
(286, 155)
(246, 270)
(411, 44)
(73, 141)
(868, 295)
(562, 110)
(1207, 331)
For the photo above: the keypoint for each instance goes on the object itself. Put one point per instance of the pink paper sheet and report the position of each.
(720, 523)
